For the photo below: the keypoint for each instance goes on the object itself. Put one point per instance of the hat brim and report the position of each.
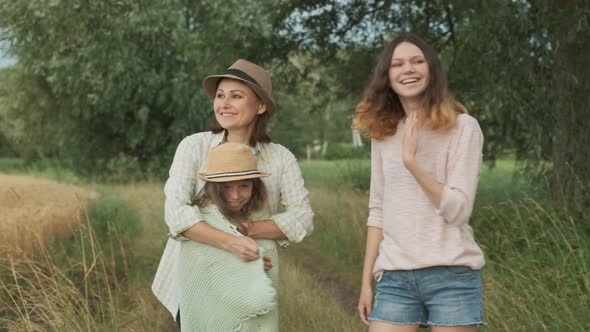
(203, 176)
(210, 85)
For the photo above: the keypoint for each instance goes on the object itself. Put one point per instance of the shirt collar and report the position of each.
(219, 139)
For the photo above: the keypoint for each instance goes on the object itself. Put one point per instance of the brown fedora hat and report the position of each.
(251, 74)
(231, 162)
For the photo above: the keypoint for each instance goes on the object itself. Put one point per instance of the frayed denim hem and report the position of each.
(479, 323)
(422, 324)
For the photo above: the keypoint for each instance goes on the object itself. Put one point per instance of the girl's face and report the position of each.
(237, 194)
(408, 74)
(236, 105)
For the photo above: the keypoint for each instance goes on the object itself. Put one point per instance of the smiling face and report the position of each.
(409, 75)
(236, 194)
(236, 106)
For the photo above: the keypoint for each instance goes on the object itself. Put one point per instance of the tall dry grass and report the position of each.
(308, 304)
(537, 275)
(143, 312)
(81, 280)
(35, 210)
(50, 292)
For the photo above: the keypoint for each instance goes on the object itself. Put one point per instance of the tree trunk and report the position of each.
(571, 149)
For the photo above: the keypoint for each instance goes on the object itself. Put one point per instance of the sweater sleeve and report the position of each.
(463, 170)
(297, 221)
(376, 192)
(179, 213)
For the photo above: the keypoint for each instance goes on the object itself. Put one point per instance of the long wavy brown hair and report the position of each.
(380, 109)
(213, 193)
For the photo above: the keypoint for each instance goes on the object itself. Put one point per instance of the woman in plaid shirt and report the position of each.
(243, 105)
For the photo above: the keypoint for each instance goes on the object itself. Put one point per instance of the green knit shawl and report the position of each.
(219, 292)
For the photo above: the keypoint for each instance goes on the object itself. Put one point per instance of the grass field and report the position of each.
(537, 276)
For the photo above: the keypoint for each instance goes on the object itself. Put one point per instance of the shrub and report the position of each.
(347, 151)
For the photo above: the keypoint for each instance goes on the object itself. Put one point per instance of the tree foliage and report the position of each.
(521, 67)
(122, 78)
(98, 81)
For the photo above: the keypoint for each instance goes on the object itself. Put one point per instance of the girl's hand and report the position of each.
(267, 263)
(245, 248)
(410, 140)
(365, 304)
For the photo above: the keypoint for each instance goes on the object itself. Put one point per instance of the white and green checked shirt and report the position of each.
(287, 200)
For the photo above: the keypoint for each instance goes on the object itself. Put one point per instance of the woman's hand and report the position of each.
(430, 185)
(267, 263)
(410, 140)
(262, 229)
(244, 247)
(365, 303)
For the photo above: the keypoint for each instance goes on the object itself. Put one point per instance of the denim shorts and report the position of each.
(439, 295)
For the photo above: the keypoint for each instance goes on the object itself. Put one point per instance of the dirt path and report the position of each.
(346, 297)
(35, 209)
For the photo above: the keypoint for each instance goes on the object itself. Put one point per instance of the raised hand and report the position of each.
(410, 140)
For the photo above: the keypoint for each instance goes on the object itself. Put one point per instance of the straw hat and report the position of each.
(231, 162)
(251, 74)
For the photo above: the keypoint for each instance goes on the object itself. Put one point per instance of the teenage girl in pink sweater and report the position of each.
(425, 162)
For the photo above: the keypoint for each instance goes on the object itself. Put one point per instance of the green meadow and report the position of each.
(98, 278)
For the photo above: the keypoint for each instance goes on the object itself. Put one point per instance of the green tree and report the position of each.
(571, 89)
(519, 66)
(316, 108)
(121, 79)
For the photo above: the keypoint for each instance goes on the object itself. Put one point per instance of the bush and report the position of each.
(337, 174)
(115, 227)
(347, 151)
(6, 147)
(356, 173)
(123, 169)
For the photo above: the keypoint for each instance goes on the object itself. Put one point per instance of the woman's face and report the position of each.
(236, 105)
(237, 193)
(408, 74)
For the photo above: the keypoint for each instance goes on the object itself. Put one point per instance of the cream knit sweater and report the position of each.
(416, 234)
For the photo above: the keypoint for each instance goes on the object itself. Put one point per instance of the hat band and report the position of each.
(230, 174)
(242, 75)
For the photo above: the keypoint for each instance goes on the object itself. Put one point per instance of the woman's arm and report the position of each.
(242, 246)
(296, 222)
(432, 188)
(179, 213)
(463, 171)
(374, 238)
(453, 199)
(375, 231)
(185, 221)
(264, 229)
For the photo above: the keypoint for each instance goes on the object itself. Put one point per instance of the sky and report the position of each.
(5, 60)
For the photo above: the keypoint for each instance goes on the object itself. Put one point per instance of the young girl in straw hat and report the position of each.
(220, 292)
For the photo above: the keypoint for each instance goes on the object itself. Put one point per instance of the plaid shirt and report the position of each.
(287, 200)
